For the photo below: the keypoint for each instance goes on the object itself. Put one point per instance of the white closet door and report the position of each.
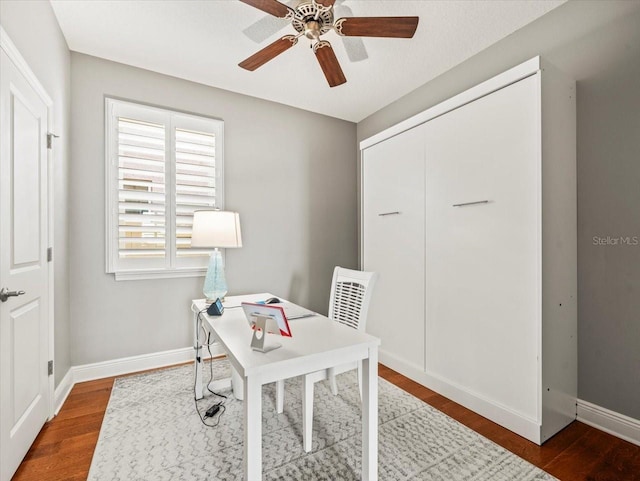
(483, 258)
(393, 243)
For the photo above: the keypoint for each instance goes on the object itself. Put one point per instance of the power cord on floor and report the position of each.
(218, 408)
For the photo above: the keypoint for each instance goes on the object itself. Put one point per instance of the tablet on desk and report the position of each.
(273, 312)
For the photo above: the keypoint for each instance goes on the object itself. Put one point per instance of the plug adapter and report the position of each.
(212, 411)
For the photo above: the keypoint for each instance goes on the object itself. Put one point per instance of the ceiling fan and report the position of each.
(314, 18)
(267, 26)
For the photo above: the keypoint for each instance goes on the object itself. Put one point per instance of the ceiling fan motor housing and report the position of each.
(304, 20)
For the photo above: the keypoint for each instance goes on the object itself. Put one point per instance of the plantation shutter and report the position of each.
(141, 189)
(195, 183)
(162, 166)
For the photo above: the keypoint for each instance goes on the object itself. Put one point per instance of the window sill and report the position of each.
(142, 274)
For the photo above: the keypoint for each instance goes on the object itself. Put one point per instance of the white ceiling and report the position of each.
(203, 41)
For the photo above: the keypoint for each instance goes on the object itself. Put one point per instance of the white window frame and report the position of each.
(171, 266)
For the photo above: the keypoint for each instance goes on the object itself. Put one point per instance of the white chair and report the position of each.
(349, 303)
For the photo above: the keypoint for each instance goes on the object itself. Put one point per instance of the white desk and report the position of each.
(317, 343)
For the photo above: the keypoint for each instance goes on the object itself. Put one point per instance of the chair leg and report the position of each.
(331, 374)
(307, 412)
(280, 396)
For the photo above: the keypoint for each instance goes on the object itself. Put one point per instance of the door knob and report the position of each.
(5, 294)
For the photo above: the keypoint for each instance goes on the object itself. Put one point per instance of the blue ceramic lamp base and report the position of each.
(215, 284)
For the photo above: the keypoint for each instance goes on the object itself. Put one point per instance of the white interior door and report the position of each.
(393, 244)
(483, 254)
(24, 321)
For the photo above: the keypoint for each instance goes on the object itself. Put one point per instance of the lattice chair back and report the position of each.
(350, 296)
(349, 303)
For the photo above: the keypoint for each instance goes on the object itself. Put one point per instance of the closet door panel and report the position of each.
(482, 237)
(393, 243)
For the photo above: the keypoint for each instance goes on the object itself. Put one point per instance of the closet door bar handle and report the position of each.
(471, 203)
(388, 213)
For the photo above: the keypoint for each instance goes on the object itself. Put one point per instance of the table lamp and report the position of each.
(215, 229)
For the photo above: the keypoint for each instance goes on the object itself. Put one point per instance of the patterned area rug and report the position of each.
(152, 432)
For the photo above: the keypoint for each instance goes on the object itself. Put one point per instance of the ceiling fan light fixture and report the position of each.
(312, 30)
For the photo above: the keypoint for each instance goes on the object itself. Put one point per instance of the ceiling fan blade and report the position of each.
(329, 63)
(398, 27)
(264, 28)
(354, 46)
(273, 7)
(271, 51)
(326, 3)
(267, 26)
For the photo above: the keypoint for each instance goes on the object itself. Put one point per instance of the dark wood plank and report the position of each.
(59, 460)
(72, 459)
(90, 386)
(65, 446)
(597, 456)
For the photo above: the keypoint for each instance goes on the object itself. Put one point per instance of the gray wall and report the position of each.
(289, 173)
(598, 43)
(34, 30)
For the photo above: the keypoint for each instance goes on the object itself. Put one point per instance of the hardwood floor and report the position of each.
(64, 447)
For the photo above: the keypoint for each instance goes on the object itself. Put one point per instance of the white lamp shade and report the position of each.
(216, 228)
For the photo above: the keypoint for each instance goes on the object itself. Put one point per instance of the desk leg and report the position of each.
(237, 384)
(307, 412)
(197, 349)
(252, 429)
(370, 416)
(280, 396)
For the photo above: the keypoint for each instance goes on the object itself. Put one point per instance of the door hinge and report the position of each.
(50, 368)
(49, 254)
(50, 137)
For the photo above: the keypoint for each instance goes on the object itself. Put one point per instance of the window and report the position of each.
(161, 167)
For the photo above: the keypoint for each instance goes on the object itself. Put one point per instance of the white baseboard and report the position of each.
(619, 425)
(62, 391)
(616, 424)
(125, 365)
(488, 408)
